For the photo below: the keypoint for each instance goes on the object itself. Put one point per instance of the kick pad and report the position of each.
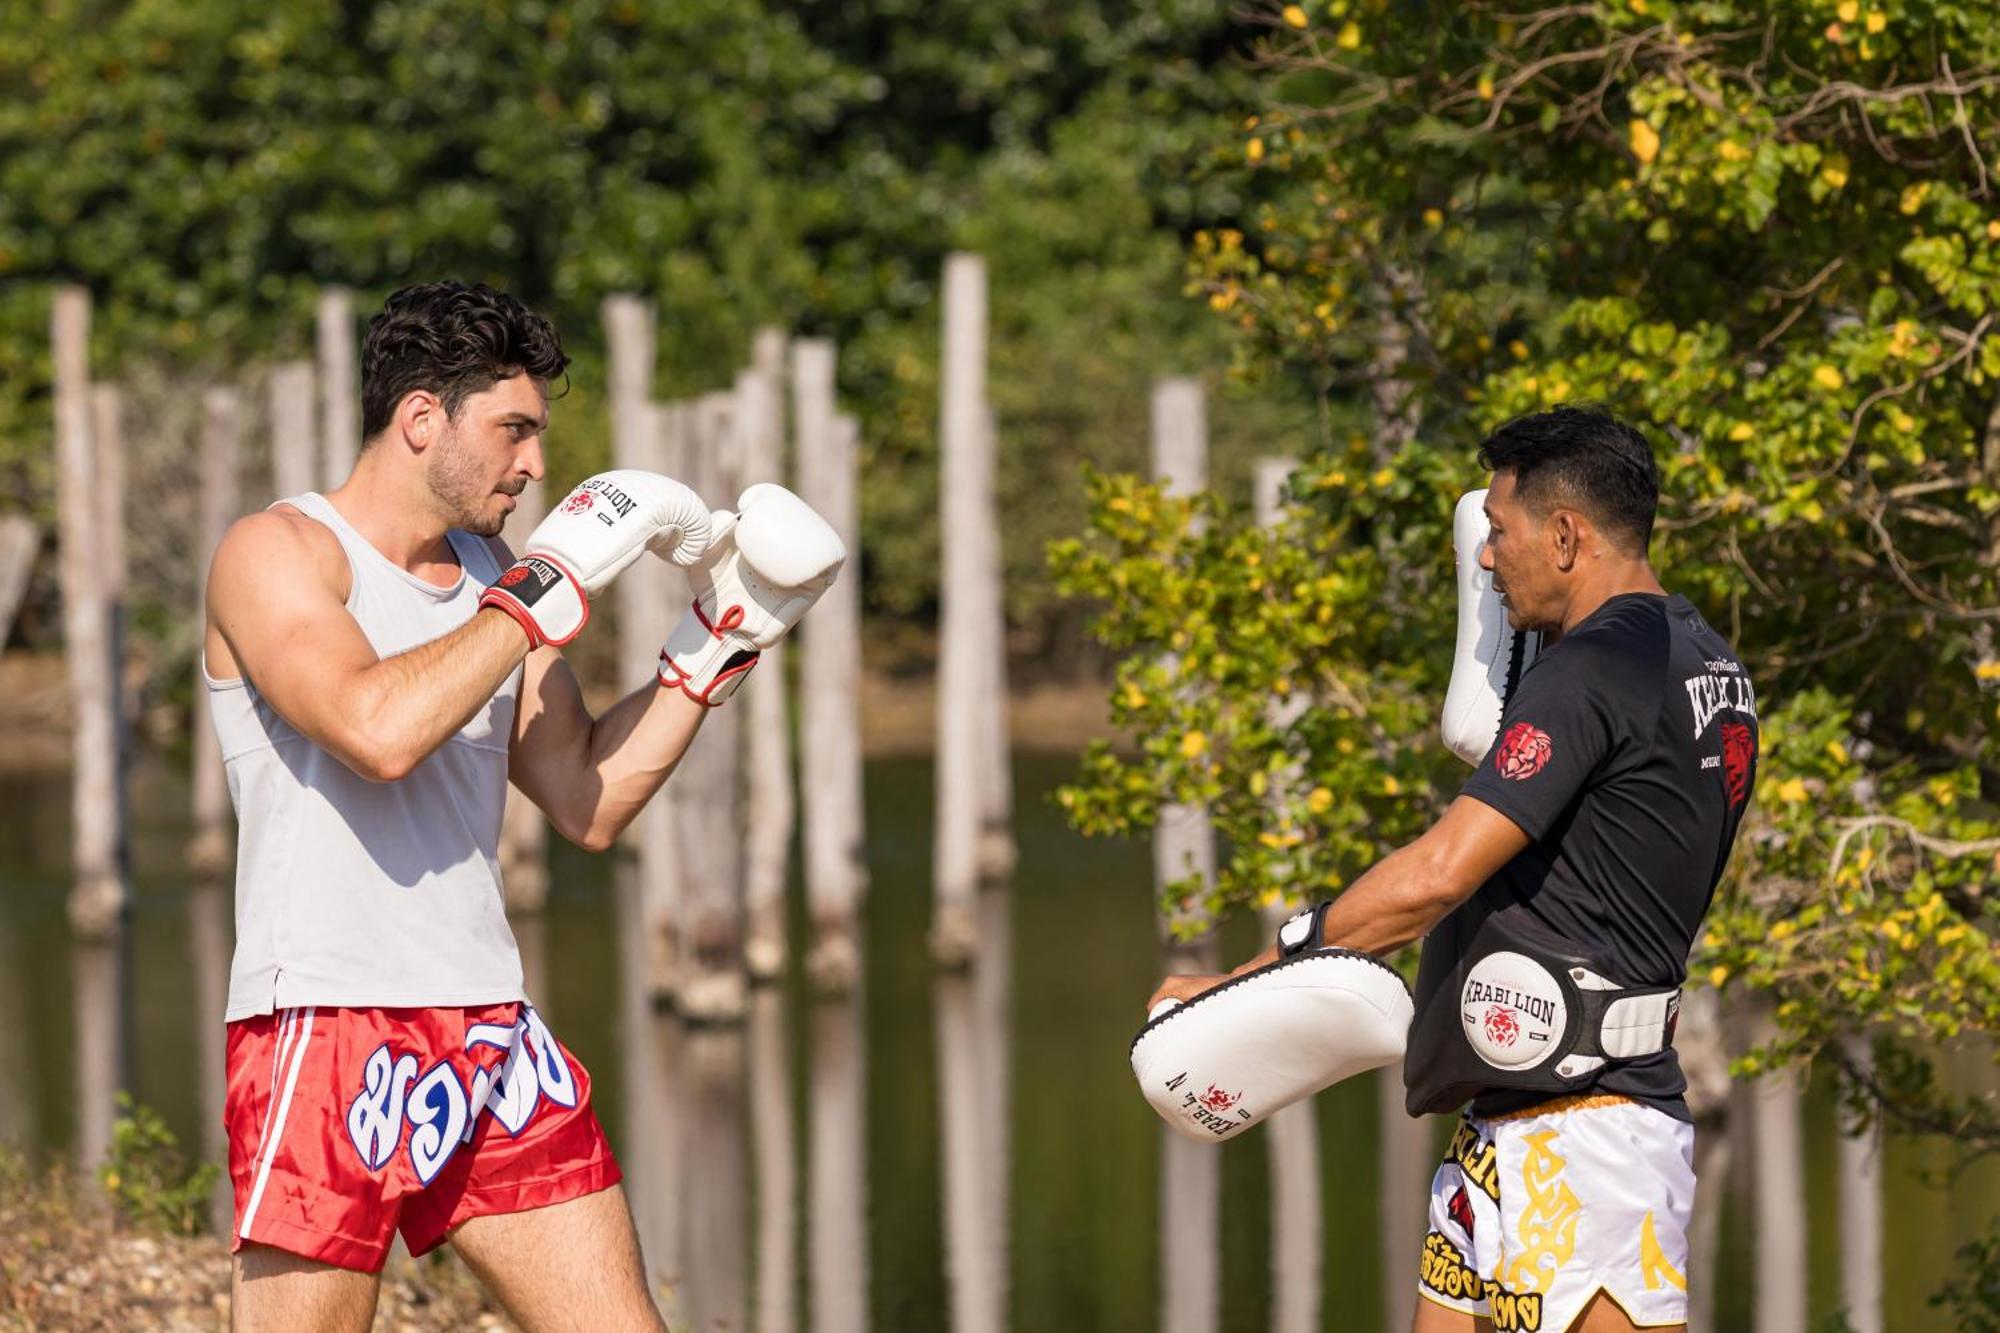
(1223, 1061)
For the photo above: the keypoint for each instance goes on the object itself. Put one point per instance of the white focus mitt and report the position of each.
(1490, 657)
(1228, 1058)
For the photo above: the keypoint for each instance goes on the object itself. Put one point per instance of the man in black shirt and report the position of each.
(1584, 850)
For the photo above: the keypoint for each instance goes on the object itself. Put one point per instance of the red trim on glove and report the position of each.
(498, 596)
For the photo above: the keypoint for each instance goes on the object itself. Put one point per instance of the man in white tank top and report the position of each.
(380, 671)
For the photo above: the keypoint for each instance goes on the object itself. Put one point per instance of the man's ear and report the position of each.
(1566, 532)
(421, 417)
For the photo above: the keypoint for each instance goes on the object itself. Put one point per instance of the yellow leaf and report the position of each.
(1741, 432)
(1381, 478)
(1645, 142)
(1259, 784)
(1270, 898)
(1848, 10)
(1350, 37)
(1193, 745)
(1791, 791)
(1433, 218)
(1319, 800)
(1254, 150)
(1987, 670)
(1828, 377)
(1295, 16)
(1486, 87)
(1913, 197)
(1133, 697)
(1876, 20)
(1837, 751)
(1834, 173)
(1518, 350)
(1717, 975)
(1993, 231)
(1391, 787)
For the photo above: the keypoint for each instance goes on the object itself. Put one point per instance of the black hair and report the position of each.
(1582, 458)
(453, 340)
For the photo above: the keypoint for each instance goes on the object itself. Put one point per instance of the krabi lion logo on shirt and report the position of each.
(1524, 751)
(1502, 1028)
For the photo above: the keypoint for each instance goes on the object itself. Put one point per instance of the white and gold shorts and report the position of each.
(1535, 1212)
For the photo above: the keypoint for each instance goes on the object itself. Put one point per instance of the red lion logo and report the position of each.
(577, 503)
(1502, 1028)
(513, 576)
(1739, 751)
(1524, 751)
(1215, 1099)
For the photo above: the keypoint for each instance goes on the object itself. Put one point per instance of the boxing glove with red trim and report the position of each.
(588, 540)
(767, 565)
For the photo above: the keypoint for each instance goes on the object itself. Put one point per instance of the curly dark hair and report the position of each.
(1582, 458)
(453, 340)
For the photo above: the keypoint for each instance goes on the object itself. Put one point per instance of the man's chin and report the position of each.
(485, 525)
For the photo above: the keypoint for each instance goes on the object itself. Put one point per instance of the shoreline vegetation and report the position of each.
(898, 714)
(75, 1261)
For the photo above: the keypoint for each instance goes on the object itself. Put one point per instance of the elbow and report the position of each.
(594, 838)
(377, 759)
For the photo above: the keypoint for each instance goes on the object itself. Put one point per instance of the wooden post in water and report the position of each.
(1183, 843)
(1700, 1038)
(996, 769)
(769, 807)
(1296, 1206)
(339, 385)
(107, 441)
(711, 984)
(294, 431)
(97, 893)
(211, 851)
(1778, 1160)
(830, 683)
(717, 1183)
(647, 598)
(1861, 1211)
(969, 798)
(20, 542)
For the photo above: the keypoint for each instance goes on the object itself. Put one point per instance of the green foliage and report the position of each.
(1768, 231)
(1973, 1297)
(205, 166)
(148, 1176)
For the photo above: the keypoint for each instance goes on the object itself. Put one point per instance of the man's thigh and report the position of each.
(571, 1265)
(1434, 1318)
(272, 1289)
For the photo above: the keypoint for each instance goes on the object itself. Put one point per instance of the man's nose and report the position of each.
(1486, 556)
(529, 459)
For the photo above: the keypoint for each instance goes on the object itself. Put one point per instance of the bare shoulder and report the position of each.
(279, 544)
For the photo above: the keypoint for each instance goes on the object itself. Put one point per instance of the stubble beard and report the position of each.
(463, 495)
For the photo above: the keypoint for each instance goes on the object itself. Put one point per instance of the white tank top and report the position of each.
(359, 893)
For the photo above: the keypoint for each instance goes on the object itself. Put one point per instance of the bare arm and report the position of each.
(591, 775)
(276, 593)
(1404, 894)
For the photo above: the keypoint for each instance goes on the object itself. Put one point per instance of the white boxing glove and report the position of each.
(588, 540)
(767, 565)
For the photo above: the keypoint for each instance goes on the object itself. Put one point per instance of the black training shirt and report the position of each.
(1627, 753)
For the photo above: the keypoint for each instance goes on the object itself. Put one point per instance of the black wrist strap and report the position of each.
(1302, 932)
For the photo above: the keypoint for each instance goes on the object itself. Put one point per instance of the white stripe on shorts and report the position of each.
(276, 1130)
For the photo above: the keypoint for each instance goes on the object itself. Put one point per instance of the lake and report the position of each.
(963, 1153)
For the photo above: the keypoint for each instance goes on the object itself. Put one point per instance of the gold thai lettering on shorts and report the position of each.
(1445, 1272)
(1475, 1157)
(1547, 1229)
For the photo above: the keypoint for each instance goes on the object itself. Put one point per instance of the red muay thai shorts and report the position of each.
(348, 1125)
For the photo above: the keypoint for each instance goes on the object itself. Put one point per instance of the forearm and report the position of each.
(400, 709)
(624, 758)
(1395, 902)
